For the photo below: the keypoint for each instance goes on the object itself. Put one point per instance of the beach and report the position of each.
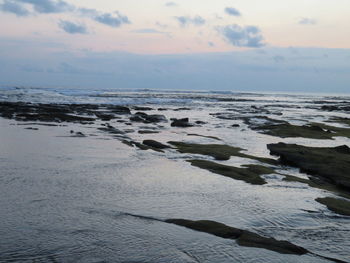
(102, 176)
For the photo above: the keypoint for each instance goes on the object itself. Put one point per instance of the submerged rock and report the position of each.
(141, 146)
(184, 122)
(340, 120)
(142, 108)
(147, 131)
(249, 174)
(339, 206)
(243, 237)
(331, 164)
(218, 151)
(155, 144)
(119, 109)
(204, 136)
(145, 118)
(111, 130)
(82, 113)
(289, 130)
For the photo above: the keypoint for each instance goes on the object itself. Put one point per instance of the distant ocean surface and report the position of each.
(149, 96)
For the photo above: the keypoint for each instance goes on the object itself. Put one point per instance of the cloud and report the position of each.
(232, 11)
(307, 21)
(170, 4)
(72, 28)
(113, 20)
(18, 7)
(48, 6)
(187, 20)
(246, 36)
(10, 6)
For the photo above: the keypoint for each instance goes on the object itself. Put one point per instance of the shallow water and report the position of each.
(70, 199)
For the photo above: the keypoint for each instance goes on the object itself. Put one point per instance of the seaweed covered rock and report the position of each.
(331, 164)
(146, 118)
(155, 144)
(339, 206)
(289, 130)
(217, 151)
(250, 173)
(184, 122)
(243, 237)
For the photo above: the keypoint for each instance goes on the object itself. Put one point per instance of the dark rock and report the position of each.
(147, 131)
(331, 164)
(155, 118)
(339, 206)
(141, 146)
(249, 174)
(111, 130)
(218, 151)
(145, 118)
(204, 136)
(46, 112)
(142, 108)
(155, 144)
(184, 122)
(183, 108)
(119, 109)
(104, 116)
(313, 131)
(243, 237)
(137, 118)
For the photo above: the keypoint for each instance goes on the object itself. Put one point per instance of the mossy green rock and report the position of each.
(289, 130)
(312, 131)
(339, 206)
(332, 164)
(243, 237)
(218, 151)
(340, 120)
(250, 173)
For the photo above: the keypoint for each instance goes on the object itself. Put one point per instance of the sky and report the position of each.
(243, 45)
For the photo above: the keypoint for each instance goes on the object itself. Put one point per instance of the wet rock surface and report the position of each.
(339, 206)
(155, 144)
(145, 118)
(184, 122)
(217, 151)
(243, 237)
(249, 173)
(331, 164)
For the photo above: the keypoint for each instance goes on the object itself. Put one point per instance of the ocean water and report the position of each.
(92, 199)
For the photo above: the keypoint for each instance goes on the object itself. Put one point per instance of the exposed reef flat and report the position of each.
(243, 237)
(249, 173)
(217, 151)
(339, 206)
(312, 131)
(246, 238)
(329, 163)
